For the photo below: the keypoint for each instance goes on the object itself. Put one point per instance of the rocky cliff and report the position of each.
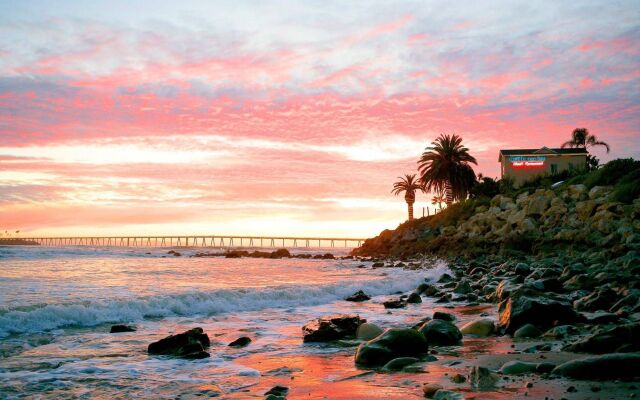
(570, 217)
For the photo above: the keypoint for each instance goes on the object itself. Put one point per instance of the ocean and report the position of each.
(57, 306)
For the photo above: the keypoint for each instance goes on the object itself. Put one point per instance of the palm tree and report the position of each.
(445, 168)
(409, 184)
(437, 200)
(580, 137)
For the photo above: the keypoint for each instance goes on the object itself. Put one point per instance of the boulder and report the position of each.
(447, 395)
(414, 298)
(601, 299)
(279, 391)
(623, 338)
(392, 343)
(480, 327)
(358, 296)
(527, 331)
(240, 342)
(538, 205)
(463, 287)
(368, 331)
(189, 344)
(441, 333)
(398, 363)
(429, 389)
(560, 332)
(331, 327)
(444, 316)
(122, 328)
(609, 366)
(518, 368)
(482, 378)
(541, 312)
(584, 209)
(394, 303)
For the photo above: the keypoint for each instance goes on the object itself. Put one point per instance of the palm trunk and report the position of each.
(448, 190)
(410, 207)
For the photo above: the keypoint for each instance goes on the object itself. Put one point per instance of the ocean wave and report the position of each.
(92, 313)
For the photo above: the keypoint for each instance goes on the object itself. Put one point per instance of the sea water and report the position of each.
(57, 306)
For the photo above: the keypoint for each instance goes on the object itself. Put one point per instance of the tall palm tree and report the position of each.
(445, 168)
(408, 184)
(580, 137)
(437, 200)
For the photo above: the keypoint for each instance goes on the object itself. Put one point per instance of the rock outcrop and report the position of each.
(189, 344)
(331, 327)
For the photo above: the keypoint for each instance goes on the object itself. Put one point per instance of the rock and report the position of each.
(394, 303)
(281, 253)
(392, 343)
(240, 342)
(122, 328)
(545, 367)
(482, 378)
(463, 287)
(538, 205)
(447, 395)
(377, 265)
(522, 269)
(414, 298)
(527, 331)
(584, 209)
(601, 299)
(458, 378)
(480, 327)
(274, 397)
(441, 333)
(278, 391)
(560, 332)
(444, 316)
(358, 296)
(444, 278)
(331, 327)
(609, 366)
(518, 367)
(623, 338)
(540, 312)
(429, 389)
(189, 344)
(368, 331)
(398, 363)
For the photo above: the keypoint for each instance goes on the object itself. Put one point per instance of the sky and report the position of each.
(288, 117)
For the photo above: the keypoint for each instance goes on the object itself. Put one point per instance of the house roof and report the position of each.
(543, 150)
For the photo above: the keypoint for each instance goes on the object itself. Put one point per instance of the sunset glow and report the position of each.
(237, 118)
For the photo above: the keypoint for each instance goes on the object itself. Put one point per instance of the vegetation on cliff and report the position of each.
(598, 208)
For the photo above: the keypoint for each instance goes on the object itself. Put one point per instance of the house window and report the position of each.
(554, 169)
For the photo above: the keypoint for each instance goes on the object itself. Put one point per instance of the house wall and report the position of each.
(523, 174)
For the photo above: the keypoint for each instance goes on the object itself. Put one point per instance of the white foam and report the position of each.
(91, 313)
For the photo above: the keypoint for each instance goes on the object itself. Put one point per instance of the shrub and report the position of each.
(612, 172)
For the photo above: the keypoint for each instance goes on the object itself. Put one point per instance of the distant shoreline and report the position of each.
(18, 242)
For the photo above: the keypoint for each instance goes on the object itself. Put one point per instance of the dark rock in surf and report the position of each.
(189, 344)
(240, 342)
(333, 327)
(358, 296)
(395, 303)
(122, 328)
(414, 298)
(391, 344)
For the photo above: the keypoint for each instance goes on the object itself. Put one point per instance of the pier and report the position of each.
(196, 241)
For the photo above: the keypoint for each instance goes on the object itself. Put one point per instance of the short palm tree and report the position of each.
(445, 168)
(408, 184)
(437, 200)
(580, 137)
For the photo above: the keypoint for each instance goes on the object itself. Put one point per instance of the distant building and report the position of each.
(525, 164)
